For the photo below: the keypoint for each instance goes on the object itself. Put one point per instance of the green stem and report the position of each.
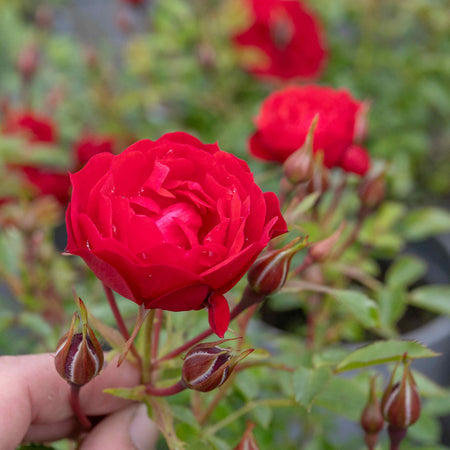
(276, 402)
(165, 392)
(147, 350)
(156, 333)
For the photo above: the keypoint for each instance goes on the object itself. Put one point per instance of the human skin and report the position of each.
(34, 406)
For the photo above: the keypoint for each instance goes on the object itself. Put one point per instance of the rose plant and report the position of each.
(168, 226)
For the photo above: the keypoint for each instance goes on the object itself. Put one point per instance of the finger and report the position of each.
(33, 393)
(128, 429)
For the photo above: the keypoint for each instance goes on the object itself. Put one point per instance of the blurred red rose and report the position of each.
(285, 118)
(88, 146)
(37, 128)
(171, 224)
(134, 2)
(289, 36)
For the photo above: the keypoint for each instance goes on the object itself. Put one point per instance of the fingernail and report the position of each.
(143, 431)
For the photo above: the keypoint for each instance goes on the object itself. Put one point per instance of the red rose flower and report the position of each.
(171, 224)
(88, 146)
(39, 129)
(286, 117)
(288, 35)
(35, 127)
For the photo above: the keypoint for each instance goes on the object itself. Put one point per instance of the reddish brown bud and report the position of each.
(400, 405)
(320, 251)
(79, 356)
(372, 190)
(27, 62)
(248, 441)
(269, 272)
(299, 166)
(207, 366)
(371, 418)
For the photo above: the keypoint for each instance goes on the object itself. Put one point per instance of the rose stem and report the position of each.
(147, 350)
(165, 392)
(337, 195)
(362, 214)
(248, 299)
(119, 319)
(74, 400)
(156, 333)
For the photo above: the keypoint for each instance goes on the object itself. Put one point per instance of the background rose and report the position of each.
(286, 116)
(89, 145)
(172, 223)
(288, 35)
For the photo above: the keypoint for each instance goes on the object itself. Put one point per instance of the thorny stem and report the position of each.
(248, 299)
(147, 350)
(119, 319)
(280, 402)
(165, 392)
(74, 400)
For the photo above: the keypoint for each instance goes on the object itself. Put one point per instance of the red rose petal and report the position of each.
(218, 314)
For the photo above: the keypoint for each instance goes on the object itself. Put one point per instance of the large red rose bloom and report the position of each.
(171, 224)
(286, 116)
(288, 35)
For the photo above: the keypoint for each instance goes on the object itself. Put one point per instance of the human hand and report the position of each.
(34, 407)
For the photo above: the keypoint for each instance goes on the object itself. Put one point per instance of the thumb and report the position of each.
(127, 429)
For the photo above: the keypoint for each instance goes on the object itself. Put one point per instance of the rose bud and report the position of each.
(372, 190)
(299, 166)
(207, 366)
(79, 356)
(401, 401)
(27, 62)
(321, 250)
(248, 441)
(371, 418)
(269, 272)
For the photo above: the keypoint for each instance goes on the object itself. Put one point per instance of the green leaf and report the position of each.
(405, 271)
(434, 298)
(345, 397)
(427, 430)
(359, 305)
(426, 222)
(308, 383)
(392, 304)
(136, 393)
(306, 204)
(429, 388)
(383, 352)
(262, 415)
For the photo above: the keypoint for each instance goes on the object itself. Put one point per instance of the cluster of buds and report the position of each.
(269, 272)
(207, 366)
(400, 407)
(79, 356)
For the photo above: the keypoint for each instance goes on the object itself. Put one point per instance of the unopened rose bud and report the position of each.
(79, 356)
(299, 166)
(248, 441)
(371, 418)
(269, 272)
(207, 366)
(27, 62)
(400, 405)
(372, 190)
(321, 251)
